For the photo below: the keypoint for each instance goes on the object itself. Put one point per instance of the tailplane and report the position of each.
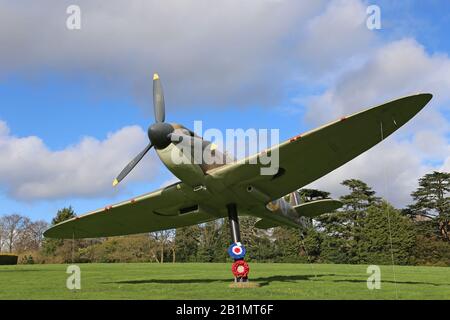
(316, 208)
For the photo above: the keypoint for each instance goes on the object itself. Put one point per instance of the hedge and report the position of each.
(8, 259)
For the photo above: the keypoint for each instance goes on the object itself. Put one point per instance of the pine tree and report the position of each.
(256, 241)
(307, 195)
(386, 232)
(288, 245)
(361, 195)
(62, 250)
(63, 215)
(432, 201)
(342, 229)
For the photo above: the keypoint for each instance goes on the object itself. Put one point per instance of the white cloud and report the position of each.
(31, 171)
(232, 52)
(393, 167)
(398, 68)
(432, 144)
(446, 165)
(228, 52)
(335, 37)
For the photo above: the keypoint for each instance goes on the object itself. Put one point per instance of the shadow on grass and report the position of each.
(25, 270)
(264, 281)
(396, 282)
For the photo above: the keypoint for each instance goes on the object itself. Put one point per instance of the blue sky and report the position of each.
(63, 97)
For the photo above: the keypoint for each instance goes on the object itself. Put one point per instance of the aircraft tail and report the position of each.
(308, 209)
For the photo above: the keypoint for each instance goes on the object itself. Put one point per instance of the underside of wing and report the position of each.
(167, 208)
(316, 208)
(311, 155)
(266, 224)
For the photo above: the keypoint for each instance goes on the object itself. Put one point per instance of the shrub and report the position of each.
(8, 259)
(27, 259)
(432, 251)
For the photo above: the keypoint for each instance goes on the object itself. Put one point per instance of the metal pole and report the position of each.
(234, 223)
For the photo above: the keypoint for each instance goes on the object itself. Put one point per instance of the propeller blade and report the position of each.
(131, 165)
(158, 99)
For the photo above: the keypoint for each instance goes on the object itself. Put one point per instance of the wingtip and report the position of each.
(425, 95)
(115, 182)
(429, 95)
(155, 76)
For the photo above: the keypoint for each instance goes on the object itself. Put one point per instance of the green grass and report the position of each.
(210, 281)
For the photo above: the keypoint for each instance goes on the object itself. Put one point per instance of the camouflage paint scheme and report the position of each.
(204, 192)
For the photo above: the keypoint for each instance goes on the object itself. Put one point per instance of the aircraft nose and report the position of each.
(158, 134)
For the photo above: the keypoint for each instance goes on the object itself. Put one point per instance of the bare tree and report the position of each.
(31, 236)
(1, 234)
(37, 230)
(13, 227)
(163, 239)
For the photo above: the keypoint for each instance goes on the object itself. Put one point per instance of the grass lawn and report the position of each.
(210, 281)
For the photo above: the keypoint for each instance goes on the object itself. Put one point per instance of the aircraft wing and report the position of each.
(166, 208)
(302, 159)
(309, 156)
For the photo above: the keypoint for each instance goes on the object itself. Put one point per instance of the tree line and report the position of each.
(366, 230)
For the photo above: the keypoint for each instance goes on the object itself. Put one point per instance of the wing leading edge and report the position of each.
(309, 156)
(303, 159)
(167, 208)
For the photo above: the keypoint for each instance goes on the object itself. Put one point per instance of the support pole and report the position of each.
(240, 268)
(234, 223)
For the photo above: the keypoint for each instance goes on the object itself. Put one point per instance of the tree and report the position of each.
(432, 201)
(210, 235)
(312, 244)
(308, 195)
(133, 248)
(37, 229)
(431, 251)
(258, 249)
(298, 245)
(342, 229)
(63, 249)
(13, 227)
(31, 236)
(288, 245)
(223, 241)
(361, 195)
(311, 238)
(386, 232)
(2, 235)
(63, 215)
(186, 243)
(163, 239)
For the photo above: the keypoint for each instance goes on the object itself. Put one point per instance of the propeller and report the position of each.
(159, 133)
(158, 99)
(130, 166)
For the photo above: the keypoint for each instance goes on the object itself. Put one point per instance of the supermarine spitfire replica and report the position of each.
(213, 191)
